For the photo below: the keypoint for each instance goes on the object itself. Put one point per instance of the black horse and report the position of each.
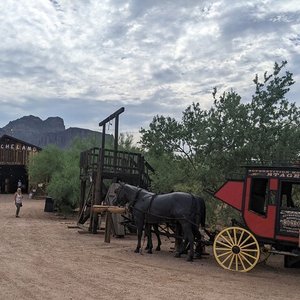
(149, 208)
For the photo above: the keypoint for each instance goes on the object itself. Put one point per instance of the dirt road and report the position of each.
(41, 258)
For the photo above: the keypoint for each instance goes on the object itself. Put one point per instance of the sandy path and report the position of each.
(41, 258)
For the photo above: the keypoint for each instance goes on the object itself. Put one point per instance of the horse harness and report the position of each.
(149, 207)
(133, 202)
(147, 213)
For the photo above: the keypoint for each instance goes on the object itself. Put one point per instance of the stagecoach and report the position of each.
(268, 199)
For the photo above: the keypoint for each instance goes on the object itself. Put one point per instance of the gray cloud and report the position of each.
(82, 60)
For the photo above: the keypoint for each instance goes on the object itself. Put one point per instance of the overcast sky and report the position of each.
(84, 59)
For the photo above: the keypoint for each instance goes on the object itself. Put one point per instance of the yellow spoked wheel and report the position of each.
(236, 249)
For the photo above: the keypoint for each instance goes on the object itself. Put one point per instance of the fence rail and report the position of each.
(121, 164)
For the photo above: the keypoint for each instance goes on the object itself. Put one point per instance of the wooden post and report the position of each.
(116, 143)
(98, 189)
(99, 181)
(108, 223)
(82, 199)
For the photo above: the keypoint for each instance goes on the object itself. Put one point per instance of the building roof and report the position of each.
(5, 136)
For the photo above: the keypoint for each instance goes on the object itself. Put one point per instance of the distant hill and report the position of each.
(35, 131)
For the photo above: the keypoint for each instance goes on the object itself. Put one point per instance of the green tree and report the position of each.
(64, 185)
(165, 135)
(274, 132)
(217, 140)
(43, 165)
(217, 136)
(212, 144)
(60, 171)
(126, 143)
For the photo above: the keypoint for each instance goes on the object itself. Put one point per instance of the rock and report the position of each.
(33, 130)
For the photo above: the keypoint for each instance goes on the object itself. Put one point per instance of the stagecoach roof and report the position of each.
(279, 166)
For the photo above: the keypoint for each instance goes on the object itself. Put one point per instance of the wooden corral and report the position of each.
(117, 166)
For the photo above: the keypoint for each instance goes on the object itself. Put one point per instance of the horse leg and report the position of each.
(155, 227)
(182, 247)
(139, 226)
(139, 236)
(149, 238)
(199, 246)
(148, 244)
(191, 241)
(178, 240)
(189, 237)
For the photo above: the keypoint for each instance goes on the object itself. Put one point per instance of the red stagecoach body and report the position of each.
(269, 201)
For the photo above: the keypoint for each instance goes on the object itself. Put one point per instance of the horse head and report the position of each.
(126, 193)
(119, 200)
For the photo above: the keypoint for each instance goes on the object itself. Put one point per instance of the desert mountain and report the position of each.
(35, 131)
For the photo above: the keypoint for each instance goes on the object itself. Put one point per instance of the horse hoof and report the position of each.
(189, 259)
(198, 256)
(177, 255)
(149, 251)
(157, 248)
(137, 250)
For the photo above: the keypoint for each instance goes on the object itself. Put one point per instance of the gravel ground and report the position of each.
(41, 258)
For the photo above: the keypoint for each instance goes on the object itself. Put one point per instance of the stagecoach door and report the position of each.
(260, 206)
(288, 223)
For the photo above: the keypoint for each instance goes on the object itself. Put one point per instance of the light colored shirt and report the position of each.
(18, 198)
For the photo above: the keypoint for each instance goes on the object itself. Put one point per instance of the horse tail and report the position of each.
(201, 211)
(195, 210)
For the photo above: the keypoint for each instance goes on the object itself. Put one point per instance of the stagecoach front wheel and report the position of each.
(236, 249)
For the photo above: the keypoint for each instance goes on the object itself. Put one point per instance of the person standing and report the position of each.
(18, 201)
(20, 184)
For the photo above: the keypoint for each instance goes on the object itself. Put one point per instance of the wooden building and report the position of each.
(14, 155)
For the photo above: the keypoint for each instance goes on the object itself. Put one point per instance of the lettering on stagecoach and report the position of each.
(289, 222)
(274, 173)
(18, 147)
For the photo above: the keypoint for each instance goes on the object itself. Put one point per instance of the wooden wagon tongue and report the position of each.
(109, 208)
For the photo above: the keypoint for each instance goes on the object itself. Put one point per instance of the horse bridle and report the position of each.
(132, 202)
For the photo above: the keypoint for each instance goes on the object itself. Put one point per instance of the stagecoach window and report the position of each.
(259, 193)
(290, 194)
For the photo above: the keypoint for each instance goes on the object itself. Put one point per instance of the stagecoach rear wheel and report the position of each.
(236, 249)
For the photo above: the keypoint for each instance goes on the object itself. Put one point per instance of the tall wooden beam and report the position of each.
(99, 180)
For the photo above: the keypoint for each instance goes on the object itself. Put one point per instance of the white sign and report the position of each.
(18, 147)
